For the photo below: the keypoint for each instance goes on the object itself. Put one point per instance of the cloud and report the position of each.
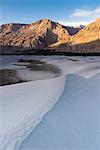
(73, 23)
(25, 19)
(83, 16)
(84, 12)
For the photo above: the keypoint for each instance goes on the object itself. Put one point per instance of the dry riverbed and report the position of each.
(30, 70)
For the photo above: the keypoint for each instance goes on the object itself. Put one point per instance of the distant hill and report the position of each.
(74, 30)
(46, 35)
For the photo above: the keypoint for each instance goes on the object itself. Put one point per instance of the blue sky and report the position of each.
(67, 12)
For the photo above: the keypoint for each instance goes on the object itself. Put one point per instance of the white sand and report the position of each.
(74, 122)
(23, 105)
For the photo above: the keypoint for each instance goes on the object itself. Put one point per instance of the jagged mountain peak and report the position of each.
(39, 34)
(10, 27)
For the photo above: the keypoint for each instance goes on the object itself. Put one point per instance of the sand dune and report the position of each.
(74, 122)
(24, 105)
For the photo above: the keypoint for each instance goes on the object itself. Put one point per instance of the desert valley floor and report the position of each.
(50, 103)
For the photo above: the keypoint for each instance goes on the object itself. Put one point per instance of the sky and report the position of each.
(66, 12)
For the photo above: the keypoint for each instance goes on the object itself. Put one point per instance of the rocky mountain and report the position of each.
(88, 39)
(48, 35)
(88, 34)
(38, 35)
(8, 29)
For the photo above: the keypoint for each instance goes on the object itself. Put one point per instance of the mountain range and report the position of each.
(46, 35)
